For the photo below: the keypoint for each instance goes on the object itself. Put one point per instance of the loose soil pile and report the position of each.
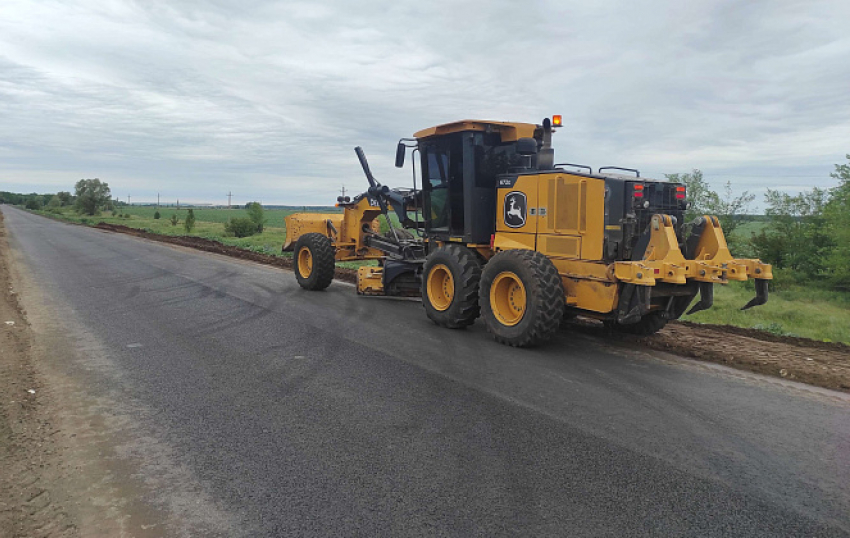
(800, 359)
(823, 364)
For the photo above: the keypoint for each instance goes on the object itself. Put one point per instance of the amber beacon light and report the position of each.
(556, 120)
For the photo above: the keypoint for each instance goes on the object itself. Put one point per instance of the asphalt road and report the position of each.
(286, 412)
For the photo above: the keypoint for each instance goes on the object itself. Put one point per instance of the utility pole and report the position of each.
(128, 199)
(157, 200)
(229, 195)
(178, 203)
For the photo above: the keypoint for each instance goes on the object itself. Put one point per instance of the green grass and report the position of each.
(806, 311)
(745, 229)
(274, 217)
(209, 224)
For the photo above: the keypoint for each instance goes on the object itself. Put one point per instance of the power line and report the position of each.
(770, 176)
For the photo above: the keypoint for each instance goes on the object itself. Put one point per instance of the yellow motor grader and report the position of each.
(500, 231)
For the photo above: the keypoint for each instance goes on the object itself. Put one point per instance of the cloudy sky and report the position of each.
(267, 99)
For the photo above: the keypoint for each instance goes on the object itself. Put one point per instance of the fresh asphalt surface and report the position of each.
(329, 414)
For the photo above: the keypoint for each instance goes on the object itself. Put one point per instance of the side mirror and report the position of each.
(399, 155)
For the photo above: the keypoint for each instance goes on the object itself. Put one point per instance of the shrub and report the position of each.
(240, 227)
(189, 223)
(33, 204)
(255, 213)
(156, 215)
(174, 220)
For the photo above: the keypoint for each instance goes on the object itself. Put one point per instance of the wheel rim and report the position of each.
(508, 298)
(441, 287)
(305, 262)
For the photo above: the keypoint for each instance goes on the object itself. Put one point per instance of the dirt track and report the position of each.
(800, 359)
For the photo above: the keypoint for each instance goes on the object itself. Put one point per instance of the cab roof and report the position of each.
(509, 131)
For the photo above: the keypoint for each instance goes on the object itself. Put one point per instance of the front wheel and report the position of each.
(314, 261)
(521, 297)
(450, 280)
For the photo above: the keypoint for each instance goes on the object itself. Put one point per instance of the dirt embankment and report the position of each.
(208, 245)
(809, 361)
(29, 456)
(800, 359)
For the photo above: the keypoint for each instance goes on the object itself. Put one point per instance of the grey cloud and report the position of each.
(269, 98)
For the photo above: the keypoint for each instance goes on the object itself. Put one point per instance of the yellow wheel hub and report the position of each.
(507, 298)
(441, 287)
(305, 262)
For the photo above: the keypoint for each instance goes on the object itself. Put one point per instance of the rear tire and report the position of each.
(313, 261)
(648, 324)
(450, 279)
(522, 298)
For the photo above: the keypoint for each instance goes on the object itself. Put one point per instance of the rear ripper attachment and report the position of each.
(499, 231)
(665, 280)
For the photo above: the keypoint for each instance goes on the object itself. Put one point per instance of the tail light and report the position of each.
(680, 193)
(638, 190)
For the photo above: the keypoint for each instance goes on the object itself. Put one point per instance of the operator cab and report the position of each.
(461, 162)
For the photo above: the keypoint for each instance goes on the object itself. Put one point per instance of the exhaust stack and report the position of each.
(546, 155)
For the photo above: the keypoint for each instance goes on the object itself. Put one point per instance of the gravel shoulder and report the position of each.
(61, 472)
(30, 456)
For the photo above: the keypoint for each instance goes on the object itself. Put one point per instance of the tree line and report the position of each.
(805, 236)
(91, 196)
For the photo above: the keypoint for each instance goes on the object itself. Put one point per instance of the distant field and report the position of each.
(744, 230)
(209, 224)
(274, 217)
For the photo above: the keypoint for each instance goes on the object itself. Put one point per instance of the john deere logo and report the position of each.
(515, 204)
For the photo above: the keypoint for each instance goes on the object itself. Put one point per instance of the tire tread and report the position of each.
(464, 309)
(324, 261)
(545, 292)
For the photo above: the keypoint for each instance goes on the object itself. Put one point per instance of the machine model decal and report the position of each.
(515, 209)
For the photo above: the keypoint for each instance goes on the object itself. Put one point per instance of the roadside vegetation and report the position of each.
(805, 236)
